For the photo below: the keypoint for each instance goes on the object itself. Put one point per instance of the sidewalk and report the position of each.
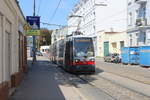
(134, 72)
(41, 84)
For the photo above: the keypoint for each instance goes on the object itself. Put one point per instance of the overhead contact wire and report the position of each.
(53, 15)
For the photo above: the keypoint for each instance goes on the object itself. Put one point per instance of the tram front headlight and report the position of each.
(92, 59)
(77, 60)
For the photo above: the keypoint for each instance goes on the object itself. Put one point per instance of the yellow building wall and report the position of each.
(114, 40)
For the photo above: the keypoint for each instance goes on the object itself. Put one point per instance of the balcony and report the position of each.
(140, 1)
(141, 22)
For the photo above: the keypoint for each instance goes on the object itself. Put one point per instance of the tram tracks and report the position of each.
(77, 82)
(111, 89)
(93, 85)
(123, 72)
(129, 86)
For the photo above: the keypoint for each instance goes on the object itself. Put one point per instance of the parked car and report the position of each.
(114, 58)
(38, 53)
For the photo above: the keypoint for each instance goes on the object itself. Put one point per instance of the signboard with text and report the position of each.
(33, 32)
(33, 21)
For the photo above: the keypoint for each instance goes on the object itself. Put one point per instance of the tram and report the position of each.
(74, 54)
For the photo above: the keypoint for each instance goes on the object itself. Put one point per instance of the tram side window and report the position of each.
(61, 51)
(67, 53)
(71, 50)
(67, 50)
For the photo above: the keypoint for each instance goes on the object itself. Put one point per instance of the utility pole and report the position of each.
(34, 41)
(77, 32)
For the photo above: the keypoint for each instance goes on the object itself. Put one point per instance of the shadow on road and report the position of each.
(44, 79)
(69, 79)
(39, 84)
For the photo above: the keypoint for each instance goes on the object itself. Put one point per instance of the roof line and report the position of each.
(17, 2)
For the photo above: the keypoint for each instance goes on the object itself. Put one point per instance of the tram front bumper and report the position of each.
(83, 68)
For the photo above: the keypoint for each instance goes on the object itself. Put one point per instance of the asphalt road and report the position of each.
(87, 90)
(46, 81)
(133, 72)
(95, 87)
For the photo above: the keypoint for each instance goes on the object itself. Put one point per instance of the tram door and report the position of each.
(69, 53)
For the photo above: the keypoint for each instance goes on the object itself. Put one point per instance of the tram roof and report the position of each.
(76, 36)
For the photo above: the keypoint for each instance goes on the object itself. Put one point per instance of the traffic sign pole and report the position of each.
(34, 41)
(34, 22)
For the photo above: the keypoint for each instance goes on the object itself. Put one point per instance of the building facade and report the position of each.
(110, 42)
(138, 22)
(59, 34)
(12, 46)
(98, 15)
(92, 16)
(85, 19)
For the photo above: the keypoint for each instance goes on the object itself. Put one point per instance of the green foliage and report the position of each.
(45, 37)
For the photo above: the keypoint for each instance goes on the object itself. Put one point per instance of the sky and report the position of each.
(46, 9)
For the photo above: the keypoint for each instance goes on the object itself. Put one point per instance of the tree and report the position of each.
(44, 38)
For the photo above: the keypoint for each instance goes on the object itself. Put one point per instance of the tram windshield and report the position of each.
(83, 47)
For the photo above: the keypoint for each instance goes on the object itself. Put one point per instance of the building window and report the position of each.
(142, 11)
(130, 18)
(131, 40)
(137, 39)
(121, 44)
(94, 27)
(144, 37)
(136, 14)
(114, 47)
(94, 13)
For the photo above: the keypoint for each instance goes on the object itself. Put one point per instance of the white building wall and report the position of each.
(111, 17)
(131, 14)
(1, 51)
(59, 34)
(138, 35)
(148, 22)
(148, 12)
(10, 18)
(84, 9)
(99, 15)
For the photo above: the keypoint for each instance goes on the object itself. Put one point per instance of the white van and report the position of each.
(44, 49)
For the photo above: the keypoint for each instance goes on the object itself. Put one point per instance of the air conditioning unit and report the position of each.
(141, 22)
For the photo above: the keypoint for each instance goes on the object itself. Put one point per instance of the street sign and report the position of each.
(33, 21)
(33, 32)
